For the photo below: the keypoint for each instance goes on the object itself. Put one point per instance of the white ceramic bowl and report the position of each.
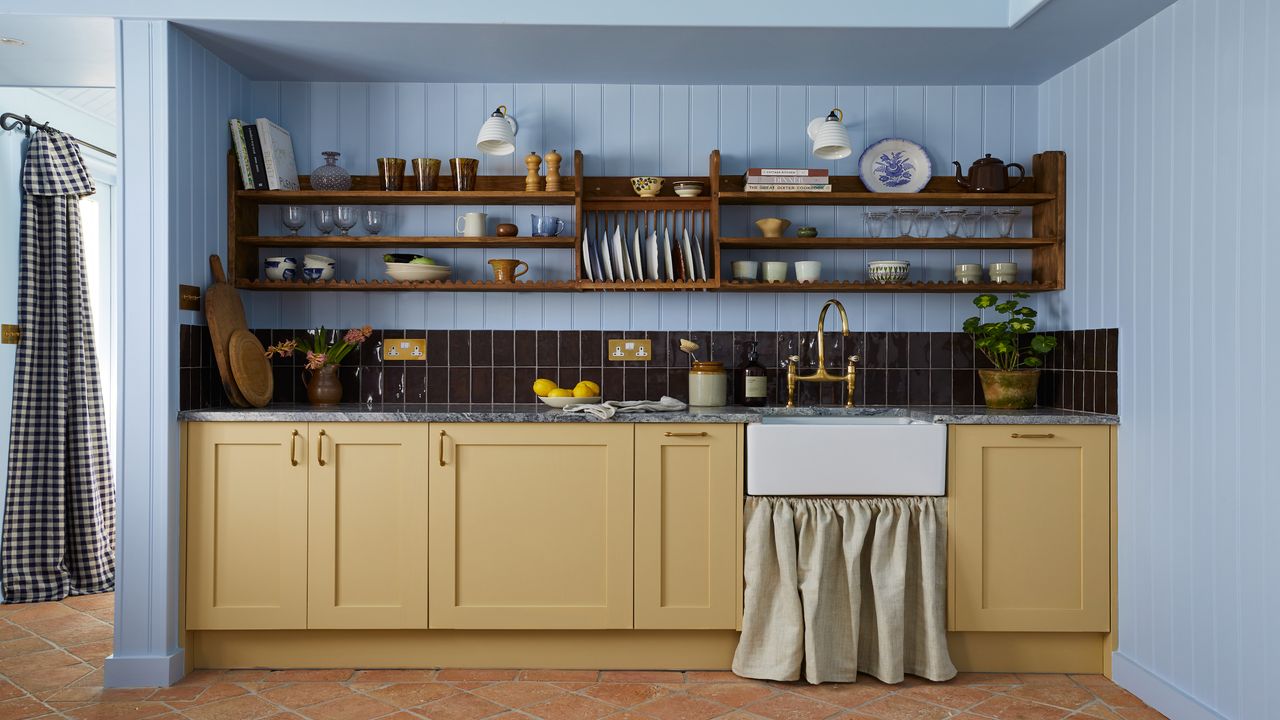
(280, 268)
(687, 188)
(564, 402)
(410, 272)
(317, 261)
(888, 271)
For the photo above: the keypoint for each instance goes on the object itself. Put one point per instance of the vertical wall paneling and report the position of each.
(1172, 166)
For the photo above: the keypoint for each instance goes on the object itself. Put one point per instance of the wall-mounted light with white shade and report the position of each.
(829, 136)
(498, 133)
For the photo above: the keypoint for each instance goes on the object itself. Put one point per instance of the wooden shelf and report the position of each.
(647, 285)
(406, 197)
(900, 243)
(410, 241)
(867, 286)
(871, 198)
(386, 285)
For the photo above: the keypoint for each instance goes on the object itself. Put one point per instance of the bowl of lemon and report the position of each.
(585, 392)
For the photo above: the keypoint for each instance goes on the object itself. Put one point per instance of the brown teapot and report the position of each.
(989, 175)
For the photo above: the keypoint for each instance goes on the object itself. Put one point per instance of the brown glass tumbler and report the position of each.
(391, 173)
(427, 172)
(464, 172)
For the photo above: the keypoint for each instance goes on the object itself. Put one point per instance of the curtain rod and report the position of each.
(10, 121)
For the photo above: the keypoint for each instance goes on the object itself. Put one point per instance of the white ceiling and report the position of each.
(97, 102)
(59, 51)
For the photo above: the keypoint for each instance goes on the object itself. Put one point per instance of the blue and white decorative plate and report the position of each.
(894, 165)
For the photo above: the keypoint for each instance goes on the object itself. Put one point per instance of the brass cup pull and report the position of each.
(1031, 436)
(320, 449)
(293, 449)
(685, 434)
(441, 453)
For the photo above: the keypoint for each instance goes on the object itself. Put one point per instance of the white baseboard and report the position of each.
(144, 671)
(1157, 692)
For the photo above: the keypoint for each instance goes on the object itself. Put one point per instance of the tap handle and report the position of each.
(854, 359)
(793, 358)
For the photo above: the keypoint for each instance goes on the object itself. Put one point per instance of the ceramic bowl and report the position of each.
(311, 274)
(888, 271)
(808, 271)
(408, 272)
(647, 186)
(280, 268)
(687, 188)
(773, 227)
(564, 402)
(402, 258)
(327, 265)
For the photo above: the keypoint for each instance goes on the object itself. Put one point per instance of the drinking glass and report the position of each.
(923, 223)
(970, 223)
(951, 218)
(906, 217)
(344, 218)
(1005, 218)
(293, 217)
(374, 219)
(876, 222)
(322, 217)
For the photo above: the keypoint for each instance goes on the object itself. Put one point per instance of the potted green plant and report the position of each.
(320, 373)
(1017, 358)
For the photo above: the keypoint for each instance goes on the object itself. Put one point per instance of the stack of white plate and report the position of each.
(414, 272)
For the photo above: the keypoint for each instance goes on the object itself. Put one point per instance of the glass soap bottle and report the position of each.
(753, 380)
(708, 384)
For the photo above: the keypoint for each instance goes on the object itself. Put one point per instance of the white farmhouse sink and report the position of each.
(846, 455)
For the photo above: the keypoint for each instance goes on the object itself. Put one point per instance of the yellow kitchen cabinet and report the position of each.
(367, 503)
(531, 526)
(688, 504)
(246, 526)
(1030, 528)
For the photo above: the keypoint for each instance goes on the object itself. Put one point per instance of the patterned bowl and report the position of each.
(647, 186)
(888, 271)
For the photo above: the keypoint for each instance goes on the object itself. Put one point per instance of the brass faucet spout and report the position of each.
(822, 374)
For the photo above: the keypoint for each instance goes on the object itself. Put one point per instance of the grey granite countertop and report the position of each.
(946, 414)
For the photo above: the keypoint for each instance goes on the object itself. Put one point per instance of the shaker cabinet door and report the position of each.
(368, 526)
(246, 526)
(1030, 528)
(531, 525)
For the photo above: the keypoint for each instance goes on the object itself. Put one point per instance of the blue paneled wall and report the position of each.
(627, 130)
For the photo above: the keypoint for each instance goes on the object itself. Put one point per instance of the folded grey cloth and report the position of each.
(608, 408)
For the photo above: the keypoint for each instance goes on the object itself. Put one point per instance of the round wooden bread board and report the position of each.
(250, 368)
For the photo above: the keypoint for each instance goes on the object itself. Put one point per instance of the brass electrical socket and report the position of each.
(622, 350)
(404, 349)
(188, 297)
(10, 334)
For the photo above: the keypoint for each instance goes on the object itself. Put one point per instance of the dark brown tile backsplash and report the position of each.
(483, 366)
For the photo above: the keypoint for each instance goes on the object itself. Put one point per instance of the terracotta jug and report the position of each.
(323, 385)
(989, 174)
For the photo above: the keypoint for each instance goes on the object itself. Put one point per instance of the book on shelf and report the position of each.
(242, 153)
(787, 172)
(783, 188)
(789, 179)
(277, 155)
(257, 165)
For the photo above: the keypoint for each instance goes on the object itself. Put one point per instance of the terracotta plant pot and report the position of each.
(1010, 389)
(323, 385)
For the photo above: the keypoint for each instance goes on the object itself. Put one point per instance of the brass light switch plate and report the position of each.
(188, 297)
(10, 334)
(404, 349)
(620, 350)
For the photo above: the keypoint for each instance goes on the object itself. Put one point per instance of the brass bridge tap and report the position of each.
(822, 375)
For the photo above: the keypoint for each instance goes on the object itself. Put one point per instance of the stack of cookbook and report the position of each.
(787, 180)
(264, 152)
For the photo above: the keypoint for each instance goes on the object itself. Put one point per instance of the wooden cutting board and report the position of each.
(225, 314)
(250, 368)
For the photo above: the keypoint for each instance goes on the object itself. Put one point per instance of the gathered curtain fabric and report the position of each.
(59, 513)
(835, 587)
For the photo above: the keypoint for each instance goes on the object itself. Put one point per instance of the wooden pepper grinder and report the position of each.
(553, 171)
(531, 181)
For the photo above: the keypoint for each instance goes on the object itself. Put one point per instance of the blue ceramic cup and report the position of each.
(546, 225)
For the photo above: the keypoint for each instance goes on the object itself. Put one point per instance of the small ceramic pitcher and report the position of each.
(504, 271)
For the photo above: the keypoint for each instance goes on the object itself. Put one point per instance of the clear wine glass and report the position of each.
(951, 219)
(293, 217)
(923, 222)
(906, 217)
(876, 221)
(1005, 219)
(970, 223)
(322, 217)
(344, 217)
(373, 220)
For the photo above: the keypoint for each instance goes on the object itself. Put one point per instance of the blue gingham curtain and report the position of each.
(59, 513)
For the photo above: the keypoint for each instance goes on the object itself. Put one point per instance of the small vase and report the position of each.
(323, 385)
(1010, 389)
(330, 176)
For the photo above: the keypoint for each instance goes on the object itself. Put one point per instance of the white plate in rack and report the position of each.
(666, 249)
(895, 165)
(586, 255)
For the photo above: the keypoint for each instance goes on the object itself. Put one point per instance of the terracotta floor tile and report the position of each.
(1097, 710)
(790, 706)
(72, 631)
(519, 694)
(846, 695)
(23, 707)
(8, 690)
(93, 653)
(625, 695)
(732, 694)
(1092, 681)
(102, 601)
(460, 706)
(471, 674)
(633, 715)
(309, 675)
(203, 677)
(559, 676)
(353, 707)
(245, 707)
(40, 611)
(24, 646)
(9, 631)
(956, 697)
(1141, 713)
(245, 675)
(175, 692)
(1117, 697)
(118, 711)
(394, 676)
(289, 716)
(299, 695)
(210, 694)
(1045, 679)
(682, 707)
(1071, 697)
(407, 695)
(43, 679)
(897, 707)
(966, 678)
(641, 676)
(1008, 708)
(570, 707)
(714, 676)
(38, 660)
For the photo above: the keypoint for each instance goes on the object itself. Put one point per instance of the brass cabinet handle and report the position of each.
(293, 449)
(320, 449)
(1031, 436)
(688, 434)
(441, 453)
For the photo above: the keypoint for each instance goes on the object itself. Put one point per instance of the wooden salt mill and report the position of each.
(553, 171)
(531, 181)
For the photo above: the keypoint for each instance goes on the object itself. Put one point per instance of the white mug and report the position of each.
(808, 271)
(1003, 272)
(745, 269)
(472, 224)
(775, 271)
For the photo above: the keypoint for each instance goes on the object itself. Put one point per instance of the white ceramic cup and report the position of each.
(808, 270)
(775, 271)
(1003, 272)
(968, 273)
(746, 270)
(472, 224)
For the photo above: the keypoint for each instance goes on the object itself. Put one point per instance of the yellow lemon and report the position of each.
(543, 387)
(560, 392)
(586, 388)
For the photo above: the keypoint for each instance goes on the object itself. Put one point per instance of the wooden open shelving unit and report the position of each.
(608, 201)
